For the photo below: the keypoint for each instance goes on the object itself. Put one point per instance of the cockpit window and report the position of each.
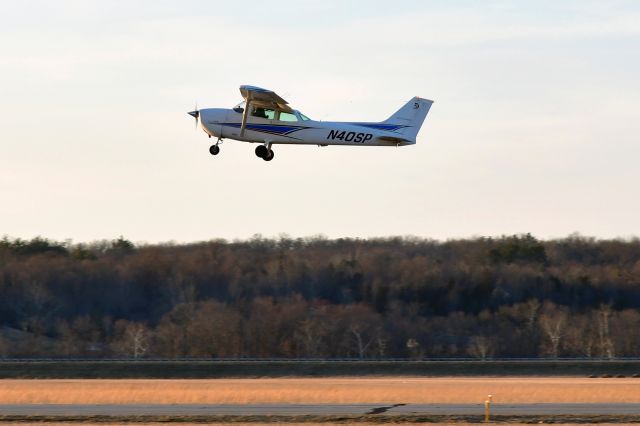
(304, 117)
(260, 112)
(287, 116)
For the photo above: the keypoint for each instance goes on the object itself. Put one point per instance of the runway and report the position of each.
(79, 410)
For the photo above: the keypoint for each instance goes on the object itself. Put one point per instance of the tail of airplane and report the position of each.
(410, 117)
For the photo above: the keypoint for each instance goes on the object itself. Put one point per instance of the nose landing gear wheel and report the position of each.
(269, 157)
(214, 149)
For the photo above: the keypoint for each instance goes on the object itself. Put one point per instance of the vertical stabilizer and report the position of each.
(410, 117)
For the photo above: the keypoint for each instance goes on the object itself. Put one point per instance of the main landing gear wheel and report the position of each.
(262, 151)
(214, 149)
(265, 153)
(269, 157)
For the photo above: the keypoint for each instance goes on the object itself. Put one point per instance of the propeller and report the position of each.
(195, 114)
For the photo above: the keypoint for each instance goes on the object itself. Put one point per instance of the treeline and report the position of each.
(513, 296)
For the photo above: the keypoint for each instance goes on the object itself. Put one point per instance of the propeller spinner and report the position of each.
(195, 114)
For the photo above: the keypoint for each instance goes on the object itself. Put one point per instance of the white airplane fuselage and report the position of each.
(267, 119)
(226, 123)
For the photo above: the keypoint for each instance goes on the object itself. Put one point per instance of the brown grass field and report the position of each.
(321, 390)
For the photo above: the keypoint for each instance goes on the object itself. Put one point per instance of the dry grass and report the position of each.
(320, 390)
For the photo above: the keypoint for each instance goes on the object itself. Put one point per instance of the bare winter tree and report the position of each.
(181, 290)
(308, 335)
(604, 332)
(553, 321)
(361, 339)
(359, 329)
(580, 337)
(413, 347)
(132, 339)
(533, 308)
(480, 347)
(381, 343)
(69, 343)
(625, 330)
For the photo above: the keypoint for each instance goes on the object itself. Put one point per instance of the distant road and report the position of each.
(78, 410)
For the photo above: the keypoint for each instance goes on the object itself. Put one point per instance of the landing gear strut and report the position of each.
(215, 149)
(264, 152)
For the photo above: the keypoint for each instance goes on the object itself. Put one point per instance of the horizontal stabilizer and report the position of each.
(395, 140)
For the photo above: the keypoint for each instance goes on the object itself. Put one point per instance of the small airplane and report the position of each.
(265, 118)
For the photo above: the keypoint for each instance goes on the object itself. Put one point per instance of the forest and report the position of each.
(402, 297)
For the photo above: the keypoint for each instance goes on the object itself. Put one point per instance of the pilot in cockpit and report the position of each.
(259, 112)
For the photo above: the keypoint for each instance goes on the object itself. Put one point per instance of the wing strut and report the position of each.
(262, 98)
(244, 115)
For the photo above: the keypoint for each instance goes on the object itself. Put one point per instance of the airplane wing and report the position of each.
(257, 96)
(264, 98)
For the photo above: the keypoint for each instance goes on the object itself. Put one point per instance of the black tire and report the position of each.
(214, 149)
(269, 157)
(262, 151)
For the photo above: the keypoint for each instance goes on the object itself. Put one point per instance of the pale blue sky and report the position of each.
(534, 128)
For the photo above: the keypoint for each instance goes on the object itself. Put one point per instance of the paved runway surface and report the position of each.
(312, 409)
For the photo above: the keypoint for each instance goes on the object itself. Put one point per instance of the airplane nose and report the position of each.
(195, 114)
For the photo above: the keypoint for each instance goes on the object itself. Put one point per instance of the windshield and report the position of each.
(303, 117)
(239, 108)
(287, 116)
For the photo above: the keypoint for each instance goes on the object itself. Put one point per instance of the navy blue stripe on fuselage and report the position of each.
(380, 126)
(274, 129)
